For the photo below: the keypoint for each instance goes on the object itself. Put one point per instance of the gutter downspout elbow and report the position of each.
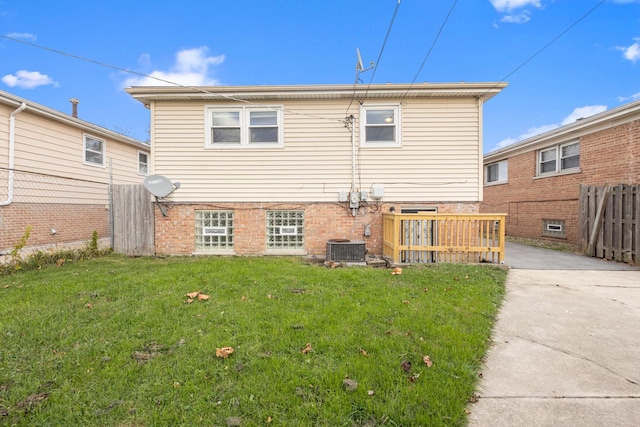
(12, 149)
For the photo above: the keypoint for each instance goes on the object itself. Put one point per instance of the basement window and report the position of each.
(214, 231)
(553, 228)
(285, 231)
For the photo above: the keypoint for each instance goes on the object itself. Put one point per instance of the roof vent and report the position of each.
(74, 107)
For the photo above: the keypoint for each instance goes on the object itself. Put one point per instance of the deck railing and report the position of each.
(420, 238)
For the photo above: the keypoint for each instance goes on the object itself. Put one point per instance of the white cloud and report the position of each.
(520, 18)
(25, 36)
(632, 53)
(634, 97)
(583, 112)
(190, 69)
(28, 79)
(577, 113)
(510, 5)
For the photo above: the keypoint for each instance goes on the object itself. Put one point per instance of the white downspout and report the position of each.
(12, 149)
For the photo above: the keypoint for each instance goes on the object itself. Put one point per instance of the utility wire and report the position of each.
(547, 45)
(195, 88)
(430, 49)
(386, 37)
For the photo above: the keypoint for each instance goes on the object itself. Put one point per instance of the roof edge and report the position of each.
(14, 100)
(619, 113)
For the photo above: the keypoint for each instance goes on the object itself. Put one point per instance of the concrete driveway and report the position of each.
(566, 346)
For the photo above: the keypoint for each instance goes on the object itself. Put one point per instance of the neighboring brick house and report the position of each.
(284, 169)
(537, 181)
(55, 172)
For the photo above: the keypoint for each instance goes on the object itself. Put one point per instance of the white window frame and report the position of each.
(557, 151)
(244, 113)
(503, 172)
(397, 122)
(144, 172)
(85, 150)
(553, 228)
(285, 232)
(214, 231)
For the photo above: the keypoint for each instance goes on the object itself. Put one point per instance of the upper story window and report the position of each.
(244, 126)
(143, 163)
(380, 126)
(559, 158)
(496, 172)
(94, 150)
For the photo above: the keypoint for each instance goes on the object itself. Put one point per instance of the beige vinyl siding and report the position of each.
(438, 159)
(49, 162)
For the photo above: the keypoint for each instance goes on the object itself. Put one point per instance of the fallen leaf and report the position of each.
(269, 419)
(60, 262)
(189, 301)
(349, 385)
(413, 378)
(224, 352)
(406, 365)
(243, 298)
(307, 349)
(269, 296)
(176, 384)
(427, 361)
(406, 302)
(89, 306)
(203, 297)
(396, 271)
(425, 290)
(193, 295)
(363, 352)
(370, 392)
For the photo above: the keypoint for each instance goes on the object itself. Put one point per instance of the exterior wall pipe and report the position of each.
(12, 149)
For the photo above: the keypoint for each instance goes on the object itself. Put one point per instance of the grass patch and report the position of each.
(112, 341)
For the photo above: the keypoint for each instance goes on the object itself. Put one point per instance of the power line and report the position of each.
(386, 37)
(195, 88)
(548, 44)
(431, 48)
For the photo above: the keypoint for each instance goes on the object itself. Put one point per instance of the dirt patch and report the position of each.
(149, 352)
(31, 401)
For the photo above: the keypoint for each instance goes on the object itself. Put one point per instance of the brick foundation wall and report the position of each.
(175, 233)
(72, 223)
(609, 156)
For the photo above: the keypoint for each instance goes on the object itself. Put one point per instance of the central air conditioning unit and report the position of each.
(345, 250)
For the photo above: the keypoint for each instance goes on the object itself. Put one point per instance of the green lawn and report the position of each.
(112, 341)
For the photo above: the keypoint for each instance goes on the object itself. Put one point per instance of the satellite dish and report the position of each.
(158, 185)
(359, 66)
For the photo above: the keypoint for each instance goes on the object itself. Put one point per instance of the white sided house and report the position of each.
(55, 174)
(285, 169)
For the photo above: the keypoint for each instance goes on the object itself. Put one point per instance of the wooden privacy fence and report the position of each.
(133, 220)
(610, 222)
(419, 238)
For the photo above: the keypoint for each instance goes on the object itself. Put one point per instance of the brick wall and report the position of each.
(71, 222)
(175, 233)
(608, 156)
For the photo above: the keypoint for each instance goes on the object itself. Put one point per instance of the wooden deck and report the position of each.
(424, 238)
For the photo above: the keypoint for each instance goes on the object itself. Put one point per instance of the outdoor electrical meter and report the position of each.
(354, 199)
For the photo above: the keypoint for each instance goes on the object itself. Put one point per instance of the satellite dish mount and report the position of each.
(360, 68)
(160, 187)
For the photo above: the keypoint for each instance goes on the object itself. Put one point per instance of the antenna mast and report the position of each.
(360, 68)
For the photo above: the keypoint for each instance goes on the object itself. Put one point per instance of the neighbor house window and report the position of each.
(285, 230)
(214, 231)
(94, 149)
(380, 126)
(143, 163)
(496, 172)
(553, 228)
(245, 126)
(559, 158)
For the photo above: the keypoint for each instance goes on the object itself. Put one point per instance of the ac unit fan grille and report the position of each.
(350, 250)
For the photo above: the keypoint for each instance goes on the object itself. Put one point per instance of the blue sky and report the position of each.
(594, 65)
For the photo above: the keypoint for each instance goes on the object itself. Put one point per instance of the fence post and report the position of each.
(597, 223)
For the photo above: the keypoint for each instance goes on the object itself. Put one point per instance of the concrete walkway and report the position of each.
(566, 346)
